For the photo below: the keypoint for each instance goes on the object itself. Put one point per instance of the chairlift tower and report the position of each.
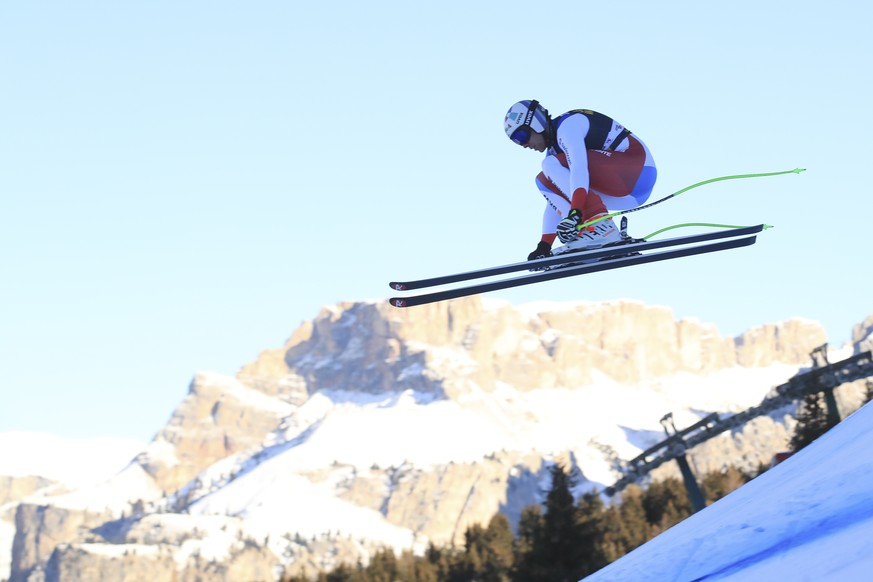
(695, 495)
(819, 358)
(822, 377)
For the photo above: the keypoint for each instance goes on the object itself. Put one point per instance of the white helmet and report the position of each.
(523, 118)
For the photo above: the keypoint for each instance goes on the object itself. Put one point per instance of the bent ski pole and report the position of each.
(686, 189)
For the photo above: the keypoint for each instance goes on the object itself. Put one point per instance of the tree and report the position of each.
(487, 555)
(527, 550)
(497, 550)
(666, 504)
(624, 526)
(436, 560)
(343, 573)
(383, 567)
(717, 484)
(569, 536)
(812, 422)
(592, 525)
(468, 565)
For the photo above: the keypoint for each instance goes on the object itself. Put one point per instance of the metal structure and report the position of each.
(819, 360)
(695, 495)
(822, 377)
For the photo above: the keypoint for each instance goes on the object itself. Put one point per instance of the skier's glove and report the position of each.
(567, 228)
(542, 251)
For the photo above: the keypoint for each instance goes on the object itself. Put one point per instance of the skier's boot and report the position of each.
(600, 234)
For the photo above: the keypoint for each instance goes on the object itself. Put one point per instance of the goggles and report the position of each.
(521, 135)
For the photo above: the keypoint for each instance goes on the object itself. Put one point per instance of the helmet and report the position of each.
(523, 118)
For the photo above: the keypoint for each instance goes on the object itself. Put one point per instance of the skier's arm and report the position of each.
(571, 139)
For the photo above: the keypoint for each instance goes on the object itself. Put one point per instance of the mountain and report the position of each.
(41, 465)
(374, 426)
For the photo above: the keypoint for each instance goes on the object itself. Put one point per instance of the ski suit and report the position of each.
(594, 164)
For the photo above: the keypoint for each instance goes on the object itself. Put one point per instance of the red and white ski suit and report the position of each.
(594, 165)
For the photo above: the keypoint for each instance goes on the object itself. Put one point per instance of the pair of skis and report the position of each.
(578, 263)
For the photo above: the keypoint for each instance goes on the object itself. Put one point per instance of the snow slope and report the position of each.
(809, 518)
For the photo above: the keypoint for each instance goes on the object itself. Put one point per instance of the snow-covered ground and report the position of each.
(809, 518)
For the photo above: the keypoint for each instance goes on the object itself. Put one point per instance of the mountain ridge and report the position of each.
(346, 413)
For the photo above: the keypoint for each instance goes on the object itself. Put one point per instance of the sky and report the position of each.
(183, 184)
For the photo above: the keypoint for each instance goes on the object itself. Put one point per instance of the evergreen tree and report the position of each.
(612, 544)
(567, 542)
(812, 422)
(410, 568)
(497, 552)
(344, 573)
(487, 554)
(382, 567)
(633, 515)
(624, 525)
(437, 560)
(422, 571)
(527, 550)
(469, 564)
(591, 528)
(666, 504)
(717, 484)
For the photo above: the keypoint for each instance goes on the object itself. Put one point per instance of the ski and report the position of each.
(560, 273)
(604, 252)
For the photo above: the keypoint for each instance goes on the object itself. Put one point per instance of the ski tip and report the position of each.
(798, 170)
(397, 302)
(397, 286)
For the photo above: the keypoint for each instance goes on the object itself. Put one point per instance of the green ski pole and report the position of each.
(686, 189)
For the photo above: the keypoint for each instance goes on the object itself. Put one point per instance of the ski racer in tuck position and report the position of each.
(592, 164)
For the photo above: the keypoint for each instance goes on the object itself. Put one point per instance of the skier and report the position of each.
(592, 163)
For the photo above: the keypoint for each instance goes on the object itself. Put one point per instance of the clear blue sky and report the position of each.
(183, 184)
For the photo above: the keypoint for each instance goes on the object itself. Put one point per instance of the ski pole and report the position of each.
(704, 224)
(686, 189)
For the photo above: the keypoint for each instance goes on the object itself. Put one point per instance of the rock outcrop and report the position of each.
(135, 562)
(862, 335)
(374, 347)
(14, 489)
(40, 529)
(218, 418)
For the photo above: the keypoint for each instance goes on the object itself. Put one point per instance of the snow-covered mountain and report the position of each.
(41, 465)
(374, 426)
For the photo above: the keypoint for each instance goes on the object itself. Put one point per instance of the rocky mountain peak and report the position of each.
(436, 348)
